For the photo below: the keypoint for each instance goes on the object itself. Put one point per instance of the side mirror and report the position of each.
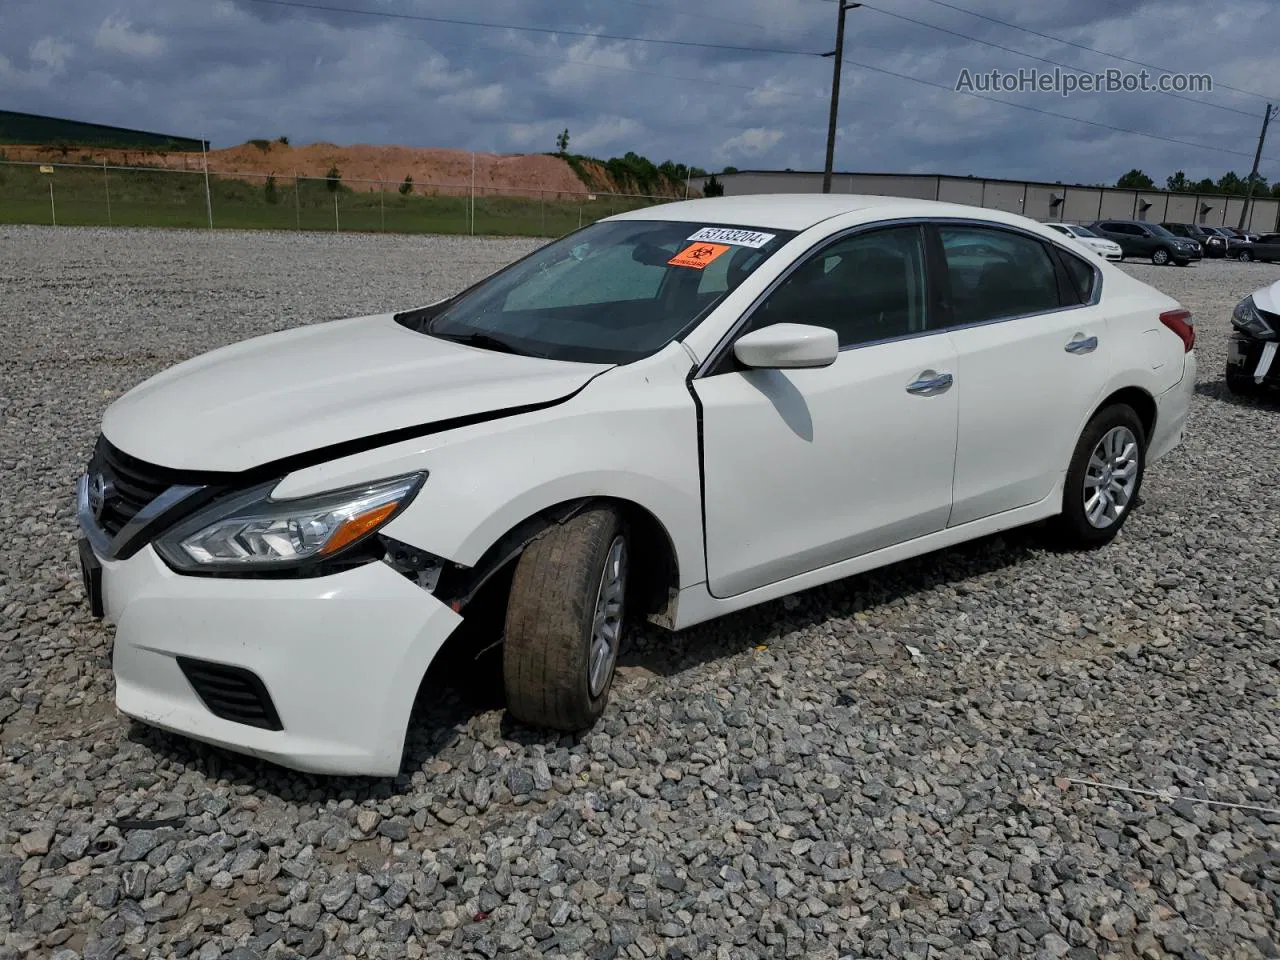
(785, 346)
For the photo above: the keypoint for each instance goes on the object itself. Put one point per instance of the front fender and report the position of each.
(630, 435)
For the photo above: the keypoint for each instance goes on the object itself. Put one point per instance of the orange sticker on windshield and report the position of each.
(698, 255)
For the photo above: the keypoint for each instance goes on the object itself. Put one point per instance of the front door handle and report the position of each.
(1081, 344)
(929, 383)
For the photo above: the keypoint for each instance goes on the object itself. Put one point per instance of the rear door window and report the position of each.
(997, 274)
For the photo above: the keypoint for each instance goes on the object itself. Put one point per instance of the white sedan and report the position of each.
(1107, 249)
(674, 413)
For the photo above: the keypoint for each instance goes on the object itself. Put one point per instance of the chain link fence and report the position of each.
(80, 194)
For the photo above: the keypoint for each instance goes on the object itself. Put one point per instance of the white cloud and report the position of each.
(586, 63)
(754, 140)
(52, 53)
(614, 131)
(117, 35)
(530, 134)
(434, 73)
(483, 99)
(774, 93)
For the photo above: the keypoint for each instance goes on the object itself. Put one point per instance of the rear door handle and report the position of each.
(930, 383)
(1081, 344)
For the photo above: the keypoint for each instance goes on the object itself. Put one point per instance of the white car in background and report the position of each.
(1107, 249)
(674, 413)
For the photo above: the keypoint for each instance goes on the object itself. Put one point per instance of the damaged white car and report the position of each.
(674, 413)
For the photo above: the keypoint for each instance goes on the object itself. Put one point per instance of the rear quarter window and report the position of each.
(1082, 275)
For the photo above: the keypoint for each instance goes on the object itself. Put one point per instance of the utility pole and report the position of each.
(1267, 117)
(208, 196)
(838, 53)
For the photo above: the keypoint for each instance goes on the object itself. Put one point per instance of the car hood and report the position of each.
(1268, 298)
(312, 387)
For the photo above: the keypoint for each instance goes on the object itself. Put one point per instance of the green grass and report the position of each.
(145, 198)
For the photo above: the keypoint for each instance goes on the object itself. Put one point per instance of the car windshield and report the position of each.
(613, 292)
(1081, 231)
(1158, 230)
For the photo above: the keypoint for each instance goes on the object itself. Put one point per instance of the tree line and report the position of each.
(1229, 184)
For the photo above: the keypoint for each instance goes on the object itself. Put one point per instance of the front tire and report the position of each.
(1160, 257)
(1244, 256)
(1104, 478)
(564, 618)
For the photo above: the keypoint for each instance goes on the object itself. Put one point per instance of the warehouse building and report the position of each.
(1040, 201)
(32, 128)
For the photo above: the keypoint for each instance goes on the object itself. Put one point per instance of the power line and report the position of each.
(1081, 46)
(386, 14)
(686, 13)
(437, 42)
(422, 18)
(1032, 56)
(1050, 113)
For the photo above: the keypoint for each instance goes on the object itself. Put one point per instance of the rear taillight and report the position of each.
(1179, 321)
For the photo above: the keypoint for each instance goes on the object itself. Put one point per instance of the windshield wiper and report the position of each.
(486, 341)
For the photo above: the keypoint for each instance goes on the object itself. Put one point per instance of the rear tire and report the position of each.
(1244, 256)
(1104, 478)
(564, 617)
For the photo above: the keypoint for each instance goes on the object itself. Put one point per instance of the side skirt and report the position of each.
(695, 604)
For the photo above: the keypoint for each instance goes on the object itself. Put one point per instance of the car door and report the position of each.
(1032, 359)
(804, 468)
(1138, 239)
(1123, 235)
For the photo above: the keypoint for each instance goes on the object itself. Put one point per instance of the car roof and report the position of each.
(800, 211)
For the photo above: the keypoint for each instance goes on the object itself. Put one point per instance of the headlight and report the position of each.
(251, 532)
(1248, 319)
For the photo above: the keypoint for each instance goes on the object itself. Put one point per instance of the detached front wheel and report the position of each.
(564, 620)
(1104, 477)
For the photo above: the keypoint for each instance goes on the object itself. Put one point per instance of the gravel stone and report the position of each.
(784, 782)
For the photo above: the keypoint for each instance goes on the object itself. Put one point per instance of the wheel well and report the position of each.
(654, 568)
(1141, 402)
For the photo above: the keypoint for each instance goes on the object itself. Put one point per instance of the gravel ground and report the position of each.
(788, 782)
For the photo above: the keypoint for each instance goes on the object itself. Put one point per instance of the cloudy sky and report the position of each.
(230, 70)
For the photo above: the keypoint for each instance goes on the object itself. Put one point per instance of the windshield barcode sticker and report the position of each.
(739, 238)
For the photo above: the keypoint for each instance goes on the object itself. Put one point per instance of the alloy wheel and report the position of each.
(607, 624)
(1111, 477)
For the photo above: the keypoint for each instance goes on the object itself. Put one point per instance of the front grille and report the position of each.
(130, 483)
(231, 693)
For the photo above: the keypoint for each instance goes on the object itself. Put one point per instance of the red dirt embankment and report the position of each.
(361, 167)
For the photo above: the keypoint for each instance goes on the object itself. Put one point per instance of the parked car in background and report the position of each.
(1266, 248)
(1252, 364)
(1107, 249)
(1236, 246)
(1211, 245)
(1137, 238)
(1242, 234)
(674, 413)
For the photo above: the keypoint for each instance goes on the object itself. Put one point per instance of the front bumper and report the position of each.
(1183, 255)
(1245, 357)
(339, 657)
